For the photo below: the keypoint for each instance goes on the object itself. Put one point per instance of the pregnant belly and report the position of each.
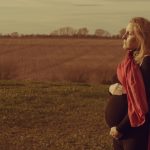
(116, 109)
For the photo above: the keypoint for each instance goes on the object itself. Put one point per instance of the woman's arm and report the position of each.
(145, 69)
(124, 125)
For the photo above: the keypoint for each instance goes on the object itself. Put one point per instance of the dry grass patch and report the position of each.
(79, 60)
(52, 116)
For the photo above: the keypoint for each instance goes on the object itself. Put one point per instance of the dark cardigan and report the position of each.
(145, 70)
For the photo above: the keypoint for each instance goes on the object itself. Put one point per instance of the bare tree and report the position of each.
(67, 31)
(83, 32)
(102, 33)
(14, 34)
(55, 32)
(115, 36)
(122, 32)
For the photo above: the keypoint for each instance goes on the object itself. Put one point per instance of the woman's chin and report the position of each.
(126, 48)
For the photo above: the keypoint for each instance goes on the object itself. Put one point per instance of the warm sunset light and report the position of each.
(44, 16)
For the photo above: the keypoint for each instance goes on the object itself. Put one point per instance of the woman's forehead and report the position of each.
(130, 27)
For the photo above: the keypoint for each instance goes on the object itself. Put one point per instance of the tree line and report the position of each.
(70, 32)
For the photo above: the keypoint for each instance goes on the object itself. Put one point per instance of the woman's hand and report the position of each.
(116, 89)
(115, 133)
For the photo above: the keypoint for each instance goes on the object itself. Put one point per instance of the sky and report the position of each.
(45, 16)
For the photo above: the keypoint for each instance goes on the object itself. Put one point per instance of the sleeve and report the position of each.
(124, 124)
(145, 70)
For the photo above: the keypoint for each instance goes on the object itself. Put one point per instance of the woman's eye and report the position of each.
(131, 33)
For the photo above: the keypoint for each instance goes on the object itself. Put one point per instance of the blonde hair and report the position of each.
(142, 33)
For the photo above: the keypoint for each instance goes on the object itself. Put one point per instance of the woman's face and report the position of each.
(129, 39)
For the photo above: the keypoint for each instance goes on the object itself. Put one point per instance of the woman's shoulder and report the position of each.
(146, 56)
(146, 61)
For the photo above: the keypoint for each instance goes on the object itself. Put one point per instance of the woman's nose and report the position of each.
(124, 36)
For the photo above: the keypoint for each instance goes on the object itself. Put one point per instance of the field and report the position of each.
(53, 116)
(52, 93)
(76, 60)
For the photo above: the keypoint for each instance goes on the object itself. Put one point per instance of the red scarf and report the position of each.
(130, 76)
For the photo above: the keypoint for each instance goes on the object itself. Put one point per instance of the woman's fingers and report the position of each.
(114, 133)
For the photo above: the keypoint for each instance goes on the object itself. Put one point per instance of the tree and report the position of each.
(14, 34)
(65, 31)
(102, 33)
(115, 36)
(83, 32)
(55, 32)
(122, 32)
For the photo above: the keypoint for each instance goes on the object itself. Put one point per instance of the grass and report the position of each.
(53, 116)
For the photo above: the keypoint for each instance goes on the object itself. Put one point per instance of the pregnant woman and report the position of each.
(127, 111)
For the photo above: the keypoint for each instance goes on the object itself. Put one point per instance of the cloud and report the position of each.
(17, 3)
(87, 5)
(127, 1)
